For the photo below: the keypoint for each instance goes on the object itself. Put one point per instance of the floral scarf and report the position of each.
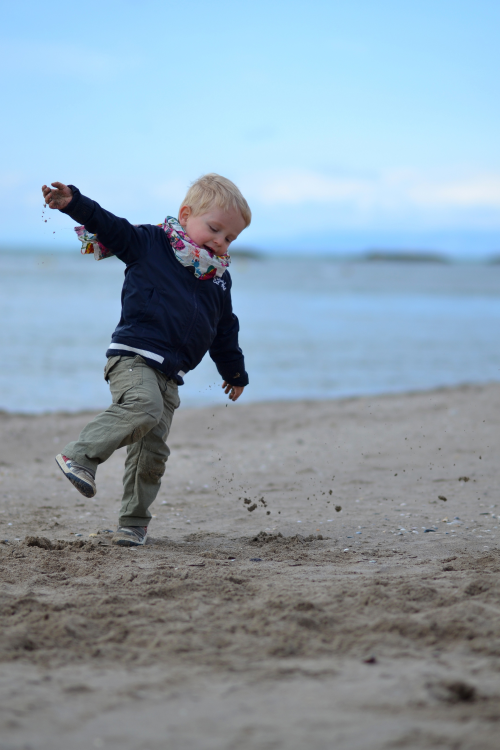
(205, 263)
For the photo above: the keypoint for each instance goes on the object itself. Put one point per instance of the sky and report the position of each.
(347, 125)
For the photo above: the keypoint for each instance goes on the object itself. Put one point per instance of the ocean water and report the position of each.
(310, 328)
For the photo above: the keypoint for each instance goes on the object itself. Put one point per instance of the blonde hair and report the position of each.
(213, 189)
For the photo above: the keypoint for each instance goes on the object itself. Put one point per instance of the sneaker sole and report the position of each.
(85, 489)
(125, 541)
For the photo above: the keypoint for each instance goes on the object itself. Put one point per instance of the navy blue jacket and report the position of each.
(169, 317)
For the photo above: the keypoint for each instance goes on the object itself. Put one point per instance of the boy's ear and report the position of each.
(184, 214)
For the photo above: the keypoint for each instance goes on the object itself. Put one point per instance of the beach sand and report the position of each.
(327, 617)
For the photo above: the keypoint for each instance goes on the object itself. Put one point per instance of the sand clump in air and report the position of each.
(353, 608)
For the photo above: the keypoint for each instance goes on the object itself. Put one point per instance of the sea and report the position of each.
(310, 327)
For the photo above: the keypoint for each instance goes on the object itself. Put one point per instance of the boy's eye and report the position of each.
(212, 228)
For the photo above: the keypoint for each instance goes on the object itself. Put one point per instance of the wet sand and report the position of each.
(354, 607)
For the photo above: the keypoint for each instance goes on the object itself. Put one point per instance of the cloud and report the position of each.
(476, 192)
(301, 187)
(394, 191)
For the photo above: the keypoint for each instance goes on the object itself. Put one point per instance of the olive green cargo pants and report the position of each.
(144, 401)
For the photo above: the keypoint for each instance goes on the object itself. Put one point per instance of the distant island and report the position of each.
(246, 252)
(398, 256)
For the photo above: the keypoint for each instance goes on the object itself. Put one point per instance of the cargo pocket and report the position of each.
(172, 390)
(178, 399)
(125, 375)
(112, 361)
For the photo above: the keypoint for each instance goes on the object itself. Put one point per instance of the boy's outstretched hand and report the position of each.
(234, 391)
(57, 196)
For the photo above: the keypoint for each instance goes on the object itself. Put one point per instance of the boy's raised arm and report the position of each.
(119, 235)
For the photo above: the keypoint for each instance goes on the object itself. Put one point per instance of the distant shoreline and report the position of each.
(375, 255)
(445, 389)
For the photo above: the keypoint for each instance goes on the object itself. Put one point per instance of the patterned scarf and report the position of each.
(205, 263)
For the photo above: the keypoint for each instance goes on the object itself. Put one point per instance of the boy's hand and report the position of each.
(57, 196)
(234, 391)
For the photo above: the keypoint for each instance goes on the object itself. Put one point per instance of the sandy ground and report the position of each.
(354, 608)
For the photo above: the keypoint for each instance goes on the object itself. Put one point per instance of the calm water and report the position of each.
(314, 329)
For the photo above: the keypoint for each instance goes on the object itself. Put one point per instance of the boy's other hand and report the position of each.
(57, 196)
(234, 391)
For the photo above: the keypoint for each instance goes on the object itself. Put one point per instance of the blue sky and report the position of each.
(346, 124)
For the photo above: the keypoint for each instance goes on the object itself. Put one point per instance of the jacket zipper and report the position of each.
(186, 337)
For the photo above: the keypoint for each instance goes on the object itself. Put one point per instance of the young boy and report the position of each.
(176, 306)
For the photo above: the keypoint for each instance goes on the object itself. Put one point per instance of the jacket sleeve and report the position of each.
(126, 241)
(225, 350)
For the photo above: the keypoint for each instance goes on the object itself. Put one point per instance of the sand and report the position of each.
(326, 617)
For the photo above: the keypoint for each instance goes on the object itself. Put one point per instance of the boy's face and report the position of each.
(214, 230)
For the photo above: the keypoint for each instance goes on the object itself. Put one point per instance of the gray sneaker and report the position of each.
(80, 477)
(130, 536)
